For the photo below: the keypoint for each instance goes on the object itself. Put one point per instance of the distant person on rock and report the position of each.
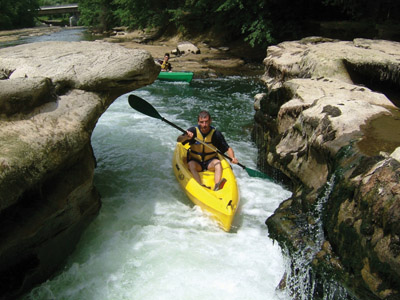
(165, 65)
(201, 157)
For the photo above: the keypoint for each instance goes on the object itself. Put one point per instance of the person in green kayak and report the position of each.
(201, 157)
(165, 64)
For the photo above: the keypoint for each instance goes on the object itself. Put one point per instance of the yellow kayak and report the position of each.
(220, 204)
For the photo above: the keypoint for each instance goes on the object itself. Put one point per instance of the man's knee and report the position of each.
(216, 163)
(194, 166)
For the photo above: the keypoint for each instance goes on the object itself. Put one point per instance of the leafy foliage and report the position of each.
(141, 14)
(97, 13)
(260, 22)
(17, 13)
(377, 11)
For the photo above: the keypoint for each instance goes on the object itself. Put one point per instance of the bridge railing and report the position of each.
(58, 9)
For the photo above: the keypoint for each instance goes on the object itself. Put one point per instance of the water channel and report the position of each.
(149, 241)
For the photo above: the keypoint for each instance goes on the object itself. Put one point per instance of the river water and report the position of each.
(149, 241)
(44, 34)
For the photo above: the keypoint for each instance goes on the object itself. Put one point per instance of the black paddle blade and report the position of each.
(143, 106)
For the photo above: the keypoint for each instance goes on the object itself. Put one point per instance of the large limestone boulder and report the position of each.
(23, 94)
(50, 100)
(325, 115)
(344, 60)
(329, 122)
(91, 66)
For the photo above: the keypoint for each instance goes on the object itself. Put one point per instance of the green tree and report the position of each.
(97, 13)
(142, 14)
(372, 10)
(17, 13)
(260, 22)
(267, 21)
(252, 21)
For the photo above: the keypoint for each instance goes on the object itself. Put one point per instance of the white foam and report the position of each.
(149, 241)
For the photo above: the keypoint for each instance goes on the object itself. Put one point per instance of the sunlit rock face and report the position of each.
(331, 114)
(51, 96)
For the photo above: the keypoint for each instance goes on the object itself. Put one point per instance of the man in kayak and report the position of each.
(165, 64)
(201, 157)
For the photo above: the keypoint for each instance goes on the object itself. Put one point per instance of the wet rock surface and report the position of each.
(51, 96)
(330, 115)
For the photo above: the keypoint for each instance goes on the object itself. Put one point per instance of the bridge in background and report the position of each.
(59, 9)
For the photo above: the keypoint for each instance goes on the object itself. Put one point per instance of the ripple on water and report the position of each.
(149, 241)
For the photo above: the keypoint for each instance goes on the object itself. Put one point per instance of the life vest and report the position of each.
(166, 66)
(200, 152)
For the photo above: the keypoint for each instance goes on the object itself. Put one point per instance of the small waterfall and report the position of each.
(301, 280)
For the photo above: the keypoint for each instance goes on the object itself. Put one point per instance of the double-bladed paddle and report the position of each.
(146, 108)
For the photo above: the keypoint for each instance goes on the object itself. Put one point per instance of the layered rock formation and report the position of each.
(330, 114)
(51, 96)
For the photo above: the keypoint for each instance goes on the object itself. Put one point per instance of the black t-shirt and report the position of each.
(218, 140)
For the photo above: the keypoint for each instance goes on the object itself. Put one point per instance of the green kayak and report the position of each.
(176, 76)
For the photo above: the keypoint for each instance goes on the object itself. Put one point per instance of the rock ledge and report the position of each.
(328, 117)
(51, 96)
